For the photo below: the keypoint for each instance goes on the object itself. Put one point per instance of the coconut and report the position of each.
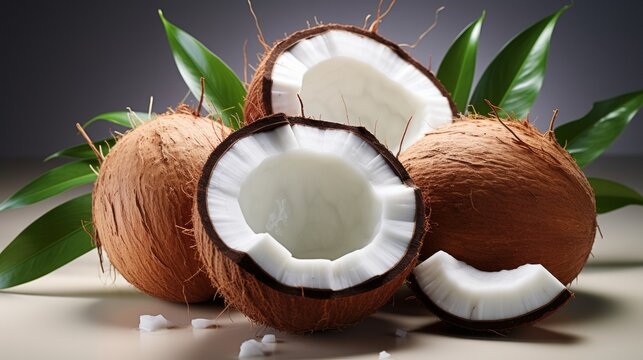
(481, 300)
(142, 203)
(346, 74)
(306, 225)
(502, 194)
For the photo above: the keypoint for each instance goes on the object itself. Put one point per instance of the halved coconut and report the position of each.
(481, 300)
(350, 75)
(306, 225)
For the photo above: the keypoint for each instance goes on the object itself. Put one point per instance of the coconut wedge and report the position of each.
(350, 75)
(481, 300)
(306, 225)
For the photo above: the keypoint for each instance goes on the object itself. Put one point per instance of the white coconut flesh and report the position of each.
(315, 208)
(342, 76)
(471, 294)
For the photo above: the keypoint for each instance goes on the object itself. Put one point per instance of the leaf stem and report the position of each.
(198, 108)
(552, 121)
(98, 154)
(495, 112)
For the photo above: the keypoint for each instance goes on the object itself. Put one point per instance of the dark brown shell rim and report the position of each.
(293, 39)
(491, 325)
(249, 265)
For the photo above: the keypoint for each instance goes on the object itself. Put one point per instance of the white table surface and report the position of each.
(79, 313)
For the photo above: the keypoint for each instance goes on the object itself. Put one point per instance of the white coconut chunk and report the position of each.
(313, 273)
(471, 294)
(269, 339)
(384, 355)
(200, 323)
(152, 323)
(342, 76)
(309, 215)
(268, 253)
(251, 348)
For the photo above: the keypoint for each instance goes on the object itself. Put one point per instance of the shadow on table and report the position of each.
(124, 312)
(530, 334)
(369, 337)
(586, 307)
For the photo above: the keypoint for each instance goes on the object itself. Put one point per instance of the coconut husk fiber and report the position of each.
(142, 204)
(502, 194)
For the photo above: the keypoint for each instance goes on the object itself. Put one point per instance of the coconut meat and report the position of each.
(152, 323)
(315, 208)
(342, 76)
(471, 294)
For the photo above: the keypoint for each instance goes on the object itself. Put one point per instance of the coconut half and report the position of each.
(306, 225)
(481, 300)
(350, 75)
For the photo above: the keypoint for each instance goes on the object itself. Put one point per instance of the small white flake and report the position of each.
(153, 323)
(250, 348)
(202, 323)
(384, 355)
(400, 333)
(269, 339)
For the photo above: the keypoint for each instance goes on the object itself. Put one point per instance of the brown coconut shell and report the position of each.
(258, 295)
(259, 99)
(499, 199)
(142, 203)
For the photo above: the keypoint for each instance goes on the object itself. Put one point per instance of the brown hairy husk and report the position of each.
(498, 201)
(142, 201)
(282, 311)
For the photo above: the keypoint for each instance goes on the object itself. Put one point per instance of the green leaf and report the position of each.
(459, 63)
(50, 242)
(586, 138)
(53, 182)
(514, 78)
(224, 92)
(611, 195)
(83, 151)
(123, 118)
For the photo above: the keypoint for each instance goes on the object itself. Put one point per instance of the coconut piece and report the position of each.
(501, 197)
(203, 323)
(269, 339)
(383, 355)
(480, 300)
(269, 342)
(142, 202)
(251, 348)
(306, 225)
(152, 323)
(350, 75)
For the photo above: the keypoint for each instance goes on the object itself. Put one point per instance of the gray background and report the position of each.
(63, 62)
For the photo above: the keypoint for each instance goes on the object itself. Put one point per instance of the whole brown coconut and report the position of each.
(142, 201)
(502, 197)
